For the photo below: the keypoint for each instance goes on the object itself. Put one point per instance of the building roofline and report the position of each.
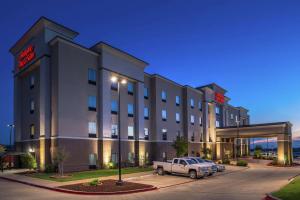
(42, 20)
(118, 49)
(213, 83)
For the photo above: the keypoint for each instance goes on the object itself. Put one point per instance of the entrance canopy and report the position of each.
(255, 130)
(281, 130)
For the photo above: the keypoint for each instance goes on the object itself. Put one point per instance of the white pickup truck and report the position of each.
(182, 166)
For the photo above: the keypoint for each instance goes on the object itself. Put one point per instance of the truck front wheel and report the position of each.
(193, 174)
(160, 171)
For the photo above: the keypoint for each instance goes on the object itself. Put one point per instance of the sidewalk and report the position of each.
(11, 175)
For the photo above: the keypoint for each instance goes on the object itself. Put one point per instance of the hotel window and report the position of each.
(92, 129)
(146, 132)
(192, 119)
(178, 133)
(146, 93)
(193, 137)
(192, 103)
(146, 113)
(217, 123)
(131, 157)
(92, 103)
(177, 115)
(177, 99)
(130, 88)
(200, 105)
(114, 107)
(217, 110)
(130, 110)
(113, 157)
(130, 132)
(231, 116)
(31, 106)
(164, 96)
(31, 82)
(164, 115)
(164, 134)
(32, 131)
(114, 86)
(92, 76)
(114, 131)
(200, 121)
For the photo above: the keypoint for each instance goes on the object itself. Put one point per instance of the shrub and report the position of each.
(242, 163)
(226, 161)
(275, 161)
(94, 182)
(50, 168)
(28, 161)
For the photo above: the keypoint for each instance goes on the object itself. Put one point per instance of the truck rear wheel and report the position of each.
(160, 171)
(193, 174)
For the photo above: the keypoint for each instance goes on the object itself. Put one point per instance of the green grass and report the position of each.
(290, 191)
(90, 174)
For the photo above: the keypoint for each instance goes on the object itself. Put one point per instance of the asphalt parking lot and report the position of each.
(248, 183)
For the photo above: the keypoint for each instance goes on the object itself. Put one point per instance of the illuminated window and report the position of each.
(146, 93)
(92, 103)
(92, 76)
(114, 131)
(231, 116)
(32, 131)
(164, 134)
(200, 105)
(164, 115)
(92, 129)
(164, 96)
(146, 113)
(130, 88)
(177, 117)
(114, 107)
(192, 103)
(130, 110)
(146, 132)
(217, 110)
(113, 157)
(31, 81)
(114, 86)
(177, 99)
(217, 123)
(200, 121)
(130, 132)
(192, 119)
(32, 106)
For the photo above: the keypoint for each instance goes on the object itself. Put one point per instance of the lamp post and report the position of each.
(11, 126)
(237, 136)
(115, 79)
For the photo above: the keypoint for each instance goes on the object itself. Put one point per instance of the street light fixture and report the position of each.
(115, 79)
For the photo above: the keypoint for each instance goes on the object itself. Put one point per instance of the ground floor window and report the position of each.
(93, 160)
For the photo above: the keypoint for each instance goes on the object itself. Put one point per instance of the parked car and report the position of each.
(219, 167)
(211, 167)
(181, 166)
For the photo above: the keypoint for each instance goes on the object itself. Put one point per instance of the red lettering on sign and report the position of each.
(26, 56)
(219, 97)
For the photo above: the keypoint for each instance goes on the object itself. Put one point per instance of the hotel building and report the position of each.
(64, 98)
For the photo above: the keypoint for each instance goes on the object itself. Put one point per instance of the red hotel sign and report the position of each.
(219, 97)
(26, 56)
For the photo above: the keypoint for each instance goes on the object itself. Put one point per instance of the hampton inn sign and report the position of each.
(26, 56)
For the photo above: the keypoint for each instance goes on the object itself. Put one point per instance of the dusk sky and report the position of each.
(251, 48)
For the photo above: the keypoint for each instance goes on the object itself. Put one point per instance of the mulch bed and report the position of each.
(279, 165)
(106, 186)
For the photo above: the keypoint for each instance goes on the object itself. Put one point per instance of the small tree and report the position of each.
(2, 151)
(28, 161)
(60, 157)
(207, 152)
(181, 146)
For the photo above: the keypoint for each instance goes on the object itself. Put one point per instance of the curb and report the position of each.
(79, 192)
(271, 197)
